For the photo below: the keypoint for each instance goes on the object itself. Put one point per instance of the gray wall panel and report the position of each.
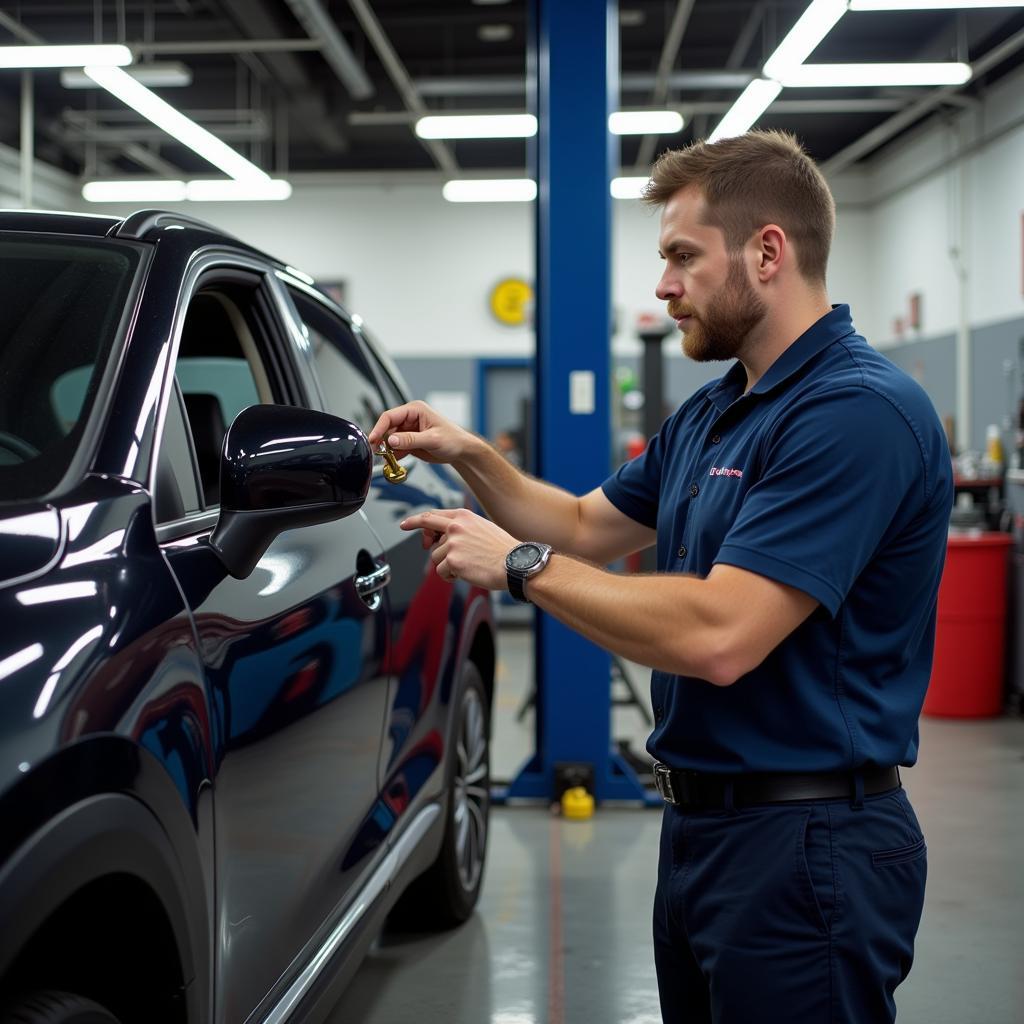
(995, 380)
(932, 363)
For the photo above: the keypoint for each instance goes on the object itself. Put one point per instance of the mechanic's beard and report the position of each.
(721, 331)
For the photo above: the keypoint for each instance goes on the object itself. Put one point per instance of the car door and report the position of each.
(425, 611)
(293, 654)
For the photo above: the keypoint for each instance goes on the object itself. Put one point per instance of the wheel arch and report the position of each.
(120, 831)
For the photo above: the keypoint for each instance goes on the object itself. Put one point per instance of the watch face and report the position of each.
(524, 556)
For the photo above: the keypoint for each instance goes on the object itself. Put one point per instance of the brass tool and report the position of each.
(393, 472)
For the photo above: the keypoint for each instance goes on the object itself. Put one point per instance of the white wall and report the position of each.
(914, 191)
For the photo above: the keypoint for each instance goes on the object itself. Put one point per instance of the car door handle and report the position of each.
(368, 587)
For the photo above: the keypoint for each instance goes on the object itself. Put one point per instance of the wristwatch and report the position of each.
(522, 562)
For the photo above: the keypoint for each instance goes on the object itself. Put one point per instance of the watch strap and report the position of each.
(517, 587)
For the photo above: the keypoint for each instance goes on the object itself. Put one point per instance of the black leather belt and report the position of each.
(696, 789)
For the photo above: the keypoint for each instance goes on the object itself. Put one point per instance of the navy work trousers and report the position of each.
(795, 913)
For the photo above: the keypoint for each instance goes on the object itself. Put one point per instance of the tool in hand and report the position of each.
(393, 472)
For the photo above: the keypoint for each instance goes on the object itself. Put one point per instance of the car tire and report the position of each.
(56, 1008)
(447, 892)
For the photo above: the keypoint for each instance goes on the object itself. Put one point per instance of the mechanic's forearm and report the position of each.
(528, 508)
(668, 622)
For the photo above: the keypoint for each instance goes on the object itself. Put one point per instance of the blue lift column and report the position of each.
(574, 67)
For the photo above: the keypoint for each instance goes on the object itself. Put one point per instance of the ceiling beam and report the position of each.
(714, 78)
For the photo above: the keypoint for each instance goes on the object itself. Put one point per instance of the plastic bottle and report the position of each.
(994, 450)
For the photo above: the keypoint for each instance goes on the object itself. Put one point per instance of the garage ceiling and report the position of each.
(334, 85)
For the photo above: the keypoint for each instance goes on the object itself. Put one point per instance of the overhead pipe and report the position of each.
(319, 25)
(669, 53)
(403, 83)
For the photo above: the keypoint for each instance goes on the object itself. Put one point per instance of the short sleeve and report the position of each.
(634, 490)
(839, 473)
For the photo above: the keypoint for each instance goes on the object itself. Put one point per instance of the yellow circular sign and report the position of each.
(511, 300)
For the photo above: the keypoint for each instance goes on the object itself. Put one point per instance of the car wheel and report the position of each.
(446, 893)
(56, 1008)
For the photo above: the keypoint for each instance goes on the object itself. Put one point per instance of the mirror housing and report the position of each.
(282, 467)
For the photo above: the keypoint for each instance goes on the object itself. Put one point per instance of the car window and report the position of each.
(221, 371)
(61, 301)
(346, 380)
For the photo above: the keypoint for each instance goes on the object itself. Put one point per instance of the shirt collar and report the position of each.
(835, 324)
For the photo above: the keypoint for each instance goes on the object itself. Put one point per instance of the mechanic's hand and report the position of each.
(416, 429)
(468, 546)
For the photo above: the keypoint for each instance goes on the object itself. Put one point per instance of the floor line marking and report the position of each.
(556, 957)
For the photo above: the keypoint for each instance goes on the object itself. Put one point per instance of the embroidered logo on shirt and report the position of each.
(715, 471)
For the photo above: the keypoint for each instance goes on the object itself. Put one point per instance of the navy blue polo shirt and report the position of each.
(832, 475)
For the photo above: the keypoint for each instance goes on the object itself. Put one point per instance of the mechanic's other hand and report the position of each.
(468, 546)
(416, 429)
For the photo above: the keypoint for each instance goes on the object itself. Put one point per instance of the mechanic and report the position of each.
(799, 505)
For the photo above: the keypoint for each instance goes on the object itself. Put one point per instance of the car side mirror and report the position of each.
(280, 468)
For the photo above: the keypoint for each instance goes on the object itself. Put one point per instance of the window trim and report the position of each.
(208, 266)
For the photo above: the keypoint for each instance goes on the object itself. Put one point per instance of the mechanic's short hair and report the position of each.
(762, 177)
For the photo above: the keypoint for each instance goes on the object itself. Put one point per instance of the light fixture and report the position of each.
(645, 122)
(929, 5)
(843, 75)
(498, 33)
(176, 124)
(169, 74)
(628, 188)
(490, 190)
(199, 191)
(477, 126)
(221, 191)
(134, 191)
(752, 103)
(802, 39)
(107, 55)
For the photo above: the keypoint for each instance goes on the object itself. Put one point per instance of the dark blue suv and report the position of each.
(241, 718)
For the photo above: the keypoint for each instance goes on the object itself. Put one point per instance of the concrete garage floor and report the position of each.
(562, 932)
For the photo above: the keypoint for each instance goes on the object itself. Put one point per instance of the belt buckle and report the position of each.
(663, 782)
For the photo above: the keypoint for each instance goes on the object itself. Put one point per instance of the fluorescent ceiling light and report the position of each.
(813, 25)
(168, 74)
(220, 191)
(134, 191)
(753, 102)
(477, 126)
(645, 122)
(176, 124)
(840, 75)
(490, 190)
(929, 5)
(199, 191)
(64, 56)
(628, 188)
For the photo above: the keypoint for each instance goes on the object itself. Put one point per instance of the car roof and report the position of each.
(143, 225)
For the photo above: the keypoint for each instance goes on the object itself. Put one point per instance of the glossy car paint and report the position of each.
(253, 721)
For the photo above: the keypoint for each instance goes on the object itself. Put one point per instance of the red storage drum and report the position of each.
(967, 674)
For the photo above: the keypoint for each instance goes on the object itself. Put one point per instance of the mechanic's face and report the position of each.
(707, 288)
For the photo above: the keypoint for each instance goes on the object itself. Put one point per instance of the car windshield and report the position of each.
(61, 300)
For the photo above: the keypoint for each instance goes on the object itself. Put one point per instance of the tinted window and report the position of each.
(60, 304)
(221, 372)
(345, 377)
